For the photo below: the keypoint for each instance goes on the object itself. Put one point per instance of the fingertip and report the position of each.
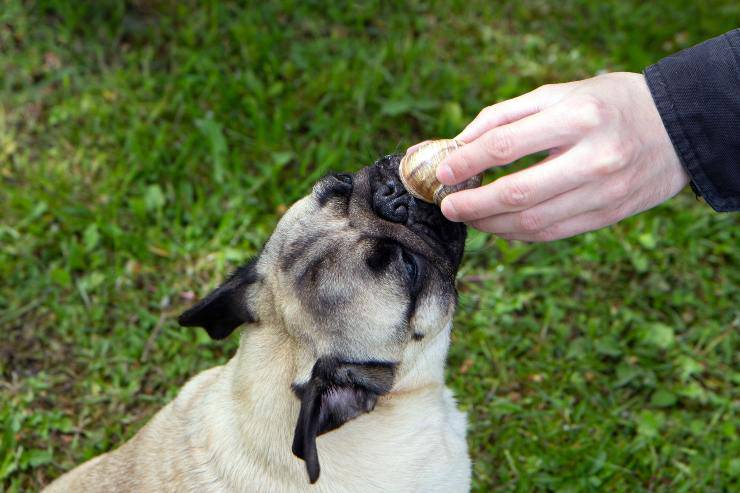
(448, 209)
(414, 147)
(464, 136)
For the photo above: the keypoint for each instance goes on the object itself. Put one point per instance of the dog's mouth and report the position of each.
(391, 201)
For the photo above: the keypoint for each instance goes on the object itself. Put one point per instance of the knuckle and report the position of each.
(485, 113)
(464, 208)
(610, 161)
(612, 216)
(617, 213)
(549, 234)
(545, 89)
(626, 147)
(499, 145)
(530, 221)
(602, 169)
(618, 191)
(591, 113)
(463, 164)
(515, 194)
(483, 225)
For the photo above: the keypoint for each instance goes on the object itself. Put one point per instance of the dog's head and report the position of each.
(357, 273)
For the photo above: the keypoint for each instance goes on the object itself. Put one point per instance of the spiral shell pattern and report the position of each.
(418, 171)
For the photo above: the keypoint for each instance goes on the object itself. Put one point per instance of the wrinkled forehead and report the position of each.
(307, 225)
(309, 217)
(315, 214)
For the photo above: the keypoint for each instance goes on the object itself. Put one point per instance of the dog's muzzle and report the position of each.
(391, 201)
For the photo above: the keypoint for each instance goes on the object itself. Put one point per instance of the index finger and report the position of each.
(517, 191)
(502, 145)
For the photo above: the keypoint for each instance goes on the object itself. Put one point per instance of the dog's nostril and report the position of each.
(390, 189)
(401, 212)
(390, 204)
(396, 210)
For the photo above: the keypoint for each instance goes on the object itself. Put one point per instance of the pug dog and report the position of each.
(338, 382)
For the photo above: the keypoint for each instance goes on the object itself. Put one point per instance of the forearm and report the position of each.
(697, 93)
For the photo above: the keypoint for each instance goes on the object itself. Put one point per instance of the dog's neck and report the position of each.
(262, 409)
(423, 363)
(265, 366)
(268, 355)
(269, 361)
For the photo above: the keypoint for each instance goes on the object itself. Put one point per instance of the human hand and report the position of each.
(610, 157)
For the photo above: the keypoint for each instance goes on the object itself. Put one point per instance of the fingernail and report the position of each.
(414, 147)
(448, 209)
(411, 149)
(462, 136)
(445, 175)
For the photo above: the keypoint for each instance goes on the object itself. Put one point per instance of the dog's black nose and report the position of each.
(391, 200)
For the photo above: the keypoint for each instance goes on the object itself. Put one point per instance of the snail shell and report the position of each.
(418, 171)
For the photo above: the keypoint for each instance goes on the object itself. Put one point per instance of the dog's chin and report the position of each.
(393, 203)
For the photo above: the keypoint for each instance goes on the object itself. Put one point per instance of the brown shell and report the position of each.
(418, 171)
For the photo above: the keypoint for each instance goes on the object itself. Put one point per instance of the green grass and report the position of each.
(148, 147)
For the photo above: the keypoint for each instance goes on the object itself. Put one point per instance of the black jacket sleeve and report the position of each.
(697, 92)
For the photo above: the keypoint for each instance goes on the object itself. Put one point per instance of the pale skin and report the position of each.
(610, 157)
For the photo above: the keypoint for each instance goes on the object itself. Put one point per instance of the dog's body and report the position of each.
(372, 387)
(226, 433)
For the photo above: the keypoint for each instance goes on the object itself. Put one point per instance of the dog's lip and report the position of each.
(434, 239)
(426, 233)
(425, 221)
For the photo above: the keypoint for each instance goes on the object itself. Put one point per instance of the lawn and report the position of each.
(149, 147)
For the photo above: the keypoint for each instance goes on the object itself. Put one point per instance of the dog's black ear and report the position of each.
(226, 307)
(336, 393)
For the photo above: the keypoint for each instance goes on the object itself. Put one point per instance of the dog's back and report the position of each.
(153, 460)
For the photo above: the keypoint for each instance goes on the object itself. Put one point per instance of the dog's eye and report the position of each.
(343, 177)
(409, 263)
(389, 252)
(382, 255)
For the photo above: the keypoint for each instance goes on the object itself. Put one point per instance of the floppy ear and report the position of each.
(336, 393)
(226, 307)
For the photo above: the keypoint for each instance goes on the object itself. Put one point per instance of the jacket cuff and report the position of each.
(696, 94)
